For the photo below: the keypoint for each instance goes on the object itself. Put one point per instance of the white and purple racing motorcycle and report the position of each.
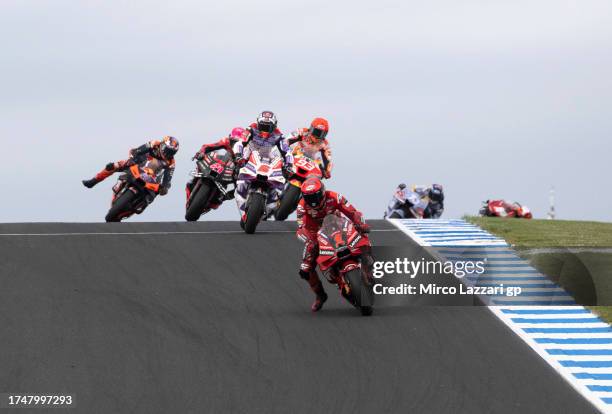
(260, 184)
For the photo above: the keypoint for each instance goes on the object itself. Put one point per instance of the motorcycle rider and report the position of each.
(435, 206)
(314, 206)
(262, 134)
(312, 141)
(227, 143)
(157, 154)
(421, 201)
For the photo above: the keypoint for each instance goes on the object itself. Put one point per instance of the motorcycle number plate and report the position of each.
(307, 165)
(218, 168)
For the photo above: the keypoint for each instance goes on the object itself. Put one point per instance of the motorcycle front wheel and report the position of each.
(288, 203)
(120, 206)
(199, 201)
(255, 210)
(362, 294)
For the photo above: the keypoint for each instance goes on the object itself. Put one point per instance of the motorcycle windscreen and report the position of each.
(221, 155)
(334, 231)
(267, 153)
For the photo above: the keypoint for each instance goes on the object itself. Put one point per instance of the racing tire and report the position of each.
(121, 205)
(198, 203)
(288, 203)
(255, 210)
(362, 293)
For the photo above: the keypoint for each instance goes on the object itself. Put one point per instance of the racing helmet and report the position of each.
(313, 192)
(266, 123)
(436, 194)
(168, 147)
(319, 127)
(237, 134)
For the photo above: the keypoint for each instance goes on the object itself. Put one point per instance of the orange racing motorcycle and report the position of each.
(135, 189)
(304, 167)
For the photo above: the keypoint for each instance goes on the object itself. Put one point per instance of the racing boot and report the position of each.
(108, 170)
(320, 299)
(91, 182)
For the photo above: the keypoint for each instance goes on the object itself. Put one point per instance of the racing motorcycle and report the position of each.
(134, 191)
(342, 261)
(304, 167)
(263, 174)
(405, 205)
(212, 177)
(502, 208)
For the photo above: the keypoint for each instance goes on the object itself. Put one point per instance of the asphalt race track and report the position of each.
(201, 318)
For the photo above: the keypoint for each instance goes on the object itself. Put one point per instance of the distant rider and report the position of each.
(418, 201)
(262, 134)
(157, 155)
(315, 205)
(312, 142)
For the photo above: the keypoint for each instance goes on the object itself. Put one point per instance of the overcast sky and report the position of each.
(489, 98)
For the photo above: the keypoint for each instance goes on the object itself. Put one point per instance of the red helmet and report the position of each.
(168, 147)
(319, 127)
(313, 192)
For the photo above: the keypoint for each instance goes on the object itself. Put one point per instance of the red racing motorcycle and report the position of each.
(502, 208)
(342, 261)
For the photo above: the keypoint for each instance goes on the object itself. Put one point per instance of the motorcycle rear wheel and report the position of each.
(362, 294)
(256, 207)
(121, 205)
(198, 202)
(288, 203)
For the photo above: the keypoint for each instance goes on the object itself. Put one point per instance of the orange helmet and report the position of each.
(168, 147)
(319, 127)
(313, 192)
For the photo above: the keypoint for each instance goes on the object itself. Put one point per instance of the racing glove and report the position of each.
(163, 191)
(288, 171)
(362, 228)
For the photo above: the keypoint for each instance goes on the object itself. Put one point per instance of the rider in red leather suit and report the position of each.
(314, 206)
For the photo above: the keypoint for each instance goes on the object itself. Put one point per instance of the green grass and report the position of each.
(587, 275)
(547, 233)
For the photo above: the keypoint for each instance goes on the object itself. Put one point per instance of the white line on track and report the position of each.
(156, 233)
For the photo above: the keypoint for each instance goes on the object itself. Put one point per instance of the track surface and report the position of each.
(217, 321)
